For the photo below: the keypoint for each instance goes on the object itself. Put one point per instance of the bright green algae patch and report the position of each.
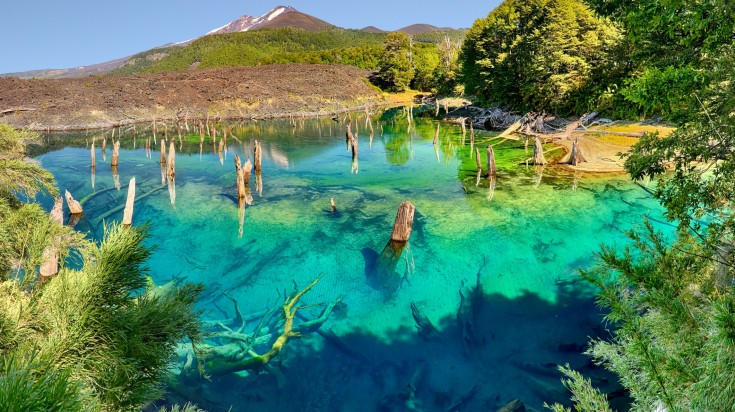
(527, 237)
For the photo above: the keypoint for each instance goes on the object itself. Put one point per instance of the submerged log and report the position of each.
(257, 157)
(74, 207)
(513, 406)
(538, 153)
(388, 259)
(425, 327)
(470, 301)
(171, 169)
(128, 212)
(576, 155)
(491, 171)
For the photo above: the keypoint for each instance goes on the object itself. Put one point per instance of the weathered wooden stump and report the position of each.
(163, 152)
(247, 169)
(74, 207)
(128, 212)
(258, 157)
(576, 155)
(91, 153)
(491, 171)
(538, 153)
(115, 154)
(240, 178)
(171, 169)
(57, 212)
(333, 206)
(50, 261)
(391, 254)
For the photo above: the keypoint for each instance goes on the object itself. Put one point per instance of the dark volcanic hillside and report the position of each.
(236, 92)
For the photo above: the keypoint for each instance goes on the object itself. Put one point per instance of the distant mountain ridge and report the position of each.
(278, 17)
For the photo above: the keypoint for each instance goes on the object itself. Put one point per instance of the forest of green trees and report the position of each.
(670, 301)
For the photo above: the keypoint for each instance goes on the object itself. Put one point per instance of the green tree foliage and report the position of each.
(258, 47)
(96, 338)
(667, 47)
(396, 70)
(446, 71)
(671, 299)
(535, 54)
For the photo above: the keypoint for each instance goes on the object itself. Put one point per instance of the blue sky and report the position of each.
(60, 34)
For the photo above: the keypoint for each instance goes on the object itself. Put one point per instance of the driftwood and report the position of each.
(128, 212)
(576, 155)
(391, 254)
(171, 169)
(425, 327)
(257, 157)
(538, 152)
(511, 129)
(74, 207)
(17, 109)
(240, 354)
(491, 170)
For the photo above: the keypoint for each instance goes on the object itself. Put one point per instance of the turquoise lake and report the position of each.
(525, 239)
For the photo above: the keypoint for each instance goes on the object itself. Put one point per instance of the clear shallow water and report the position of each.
(526, 238)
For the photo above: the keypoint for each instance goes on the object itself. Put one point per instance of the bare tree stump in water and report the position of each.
(333, 206)
(50, 261)
(258, 157)
(391, 254)
(246, 170)
(240, 179)
(171, 170)
(354, 147)
(115, 153)
(576, 155)
(348, 135)
(538, 153)
(163, 152)
(74, 207)
(477, 159)
(491, 171)
(91, 153)
(128, 212)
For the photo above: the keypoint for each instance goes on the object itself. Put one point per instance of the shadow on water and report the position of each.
(519, 341)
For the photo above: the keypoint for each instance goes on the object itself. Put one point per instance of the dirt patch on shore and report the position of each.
(233, 92)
